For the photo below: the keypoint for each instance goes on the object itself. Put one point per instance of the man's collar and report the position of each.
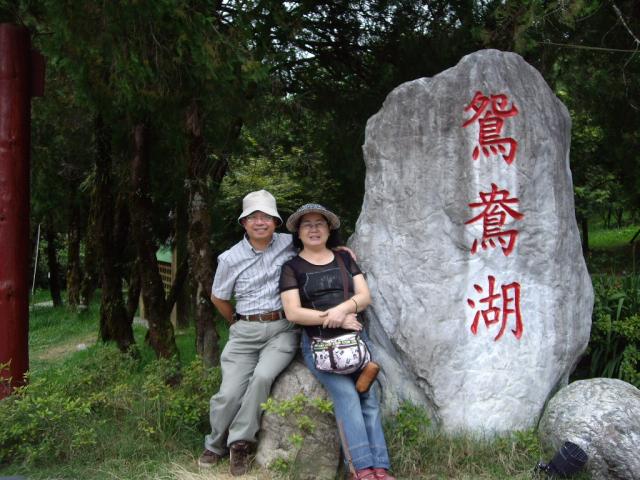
(245, 238)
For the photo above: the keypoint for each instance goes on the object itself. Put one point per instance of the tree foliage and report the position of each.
(589, 51)
(244, 94)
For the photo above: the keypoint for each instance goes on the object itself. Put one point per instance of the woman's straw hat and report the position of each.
(294, 219)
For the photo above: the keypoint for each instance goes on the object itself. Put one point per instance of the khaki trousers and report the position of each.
(251, 360)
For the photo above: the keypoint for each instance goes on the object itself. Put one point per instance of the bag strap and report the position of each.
(345, 277)
(345, 284)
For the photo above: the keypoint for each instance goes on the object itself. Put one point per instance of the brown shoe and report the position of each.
(240, 460)
(208, 459)
(367, 377)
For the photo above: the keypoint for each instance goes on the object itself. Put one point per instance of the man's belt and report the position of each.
(262, 317)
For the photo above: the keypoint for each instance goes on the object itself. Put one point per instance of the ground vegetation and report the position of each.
(88, 411)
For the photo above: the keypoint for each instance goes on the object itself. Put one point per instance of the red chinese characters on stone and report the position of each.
(498, 307)
(490, 113)
(496, 207)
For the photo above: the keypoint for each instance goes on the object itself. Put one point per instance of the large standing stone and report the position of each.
(601, 416)
(319, 455)
(416, 230)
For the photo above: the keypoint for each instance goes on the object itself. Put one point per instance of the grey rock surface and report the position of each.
(319, 455)
(601, 416)
(415, 235)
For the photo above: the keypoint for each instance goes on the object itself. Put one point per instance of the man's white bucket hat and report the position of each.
(259, 201)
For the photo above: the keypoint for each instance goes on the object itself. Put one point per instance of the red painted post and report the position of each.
(19, 80)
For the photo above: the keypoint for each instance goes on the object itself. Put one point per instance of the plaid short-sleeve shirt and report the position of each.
(251, 276)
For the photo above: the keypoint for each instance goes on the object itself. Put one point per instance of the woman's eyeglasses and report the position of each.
(313, 225)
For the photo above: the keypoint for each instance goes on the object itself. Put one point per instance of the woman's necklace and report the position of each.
(317, 258)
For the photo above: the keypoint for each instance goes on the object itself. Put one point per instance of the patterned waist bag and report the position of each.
(345, 354)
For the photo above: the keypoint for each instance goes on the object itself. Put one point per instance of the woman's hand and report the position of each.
(334, 317)
(352, 323)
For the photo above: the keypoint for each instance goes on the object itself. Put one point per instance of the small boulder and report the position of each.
(317, 455)
(601, 416)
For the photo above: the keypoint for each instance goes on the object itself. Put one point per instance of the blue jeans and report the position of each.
(357, 413)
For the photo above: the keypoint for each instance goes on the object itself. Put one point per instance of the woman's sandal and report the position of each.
(364, 474)
(382, 474)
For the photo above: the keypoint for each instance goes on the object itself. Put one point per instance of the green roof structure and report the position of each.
(164, 254)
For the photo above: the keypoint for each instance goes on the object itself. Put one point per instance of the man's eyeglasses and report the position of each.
(313, 225)
(263, 217)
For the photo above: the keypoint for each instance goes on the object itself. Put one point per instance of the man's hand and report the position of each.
(348, 250)
(224, 307)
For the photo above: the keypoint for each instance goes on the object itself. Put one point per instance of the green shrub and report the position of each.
(408, 437)
(37, 426)
(165, 410)
(106, 400)
(411, 423)
(615, 332)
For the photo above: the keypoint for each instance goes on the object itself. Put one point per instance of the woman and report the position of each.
(311, 288)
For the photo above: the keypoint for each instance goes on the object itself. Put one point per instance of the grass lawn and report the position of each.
(93, 413)
(56, 332)
(603, 238)
(610, 251)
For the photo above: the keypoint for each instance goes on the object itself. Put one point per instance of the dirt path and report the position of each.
(61, 350)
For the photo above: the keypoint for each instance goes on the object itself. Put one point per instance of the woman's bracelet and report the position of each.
(354, 301)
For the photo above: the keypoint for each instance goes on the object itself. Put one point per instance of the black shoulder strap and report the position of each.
(343, 271)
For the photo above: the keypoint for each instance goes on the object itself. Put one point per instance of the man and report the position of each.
(262, 341)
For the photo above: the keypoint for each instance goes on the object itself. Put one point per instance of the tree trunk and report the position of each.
(201, 259)
(74, 272)
(126, 265)
(619, 215)
(52, 260)
(182, 304)
(114, 323)
(584, 223)
(133, 295)
(607, 218)
(161, 336)
(90, 278)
